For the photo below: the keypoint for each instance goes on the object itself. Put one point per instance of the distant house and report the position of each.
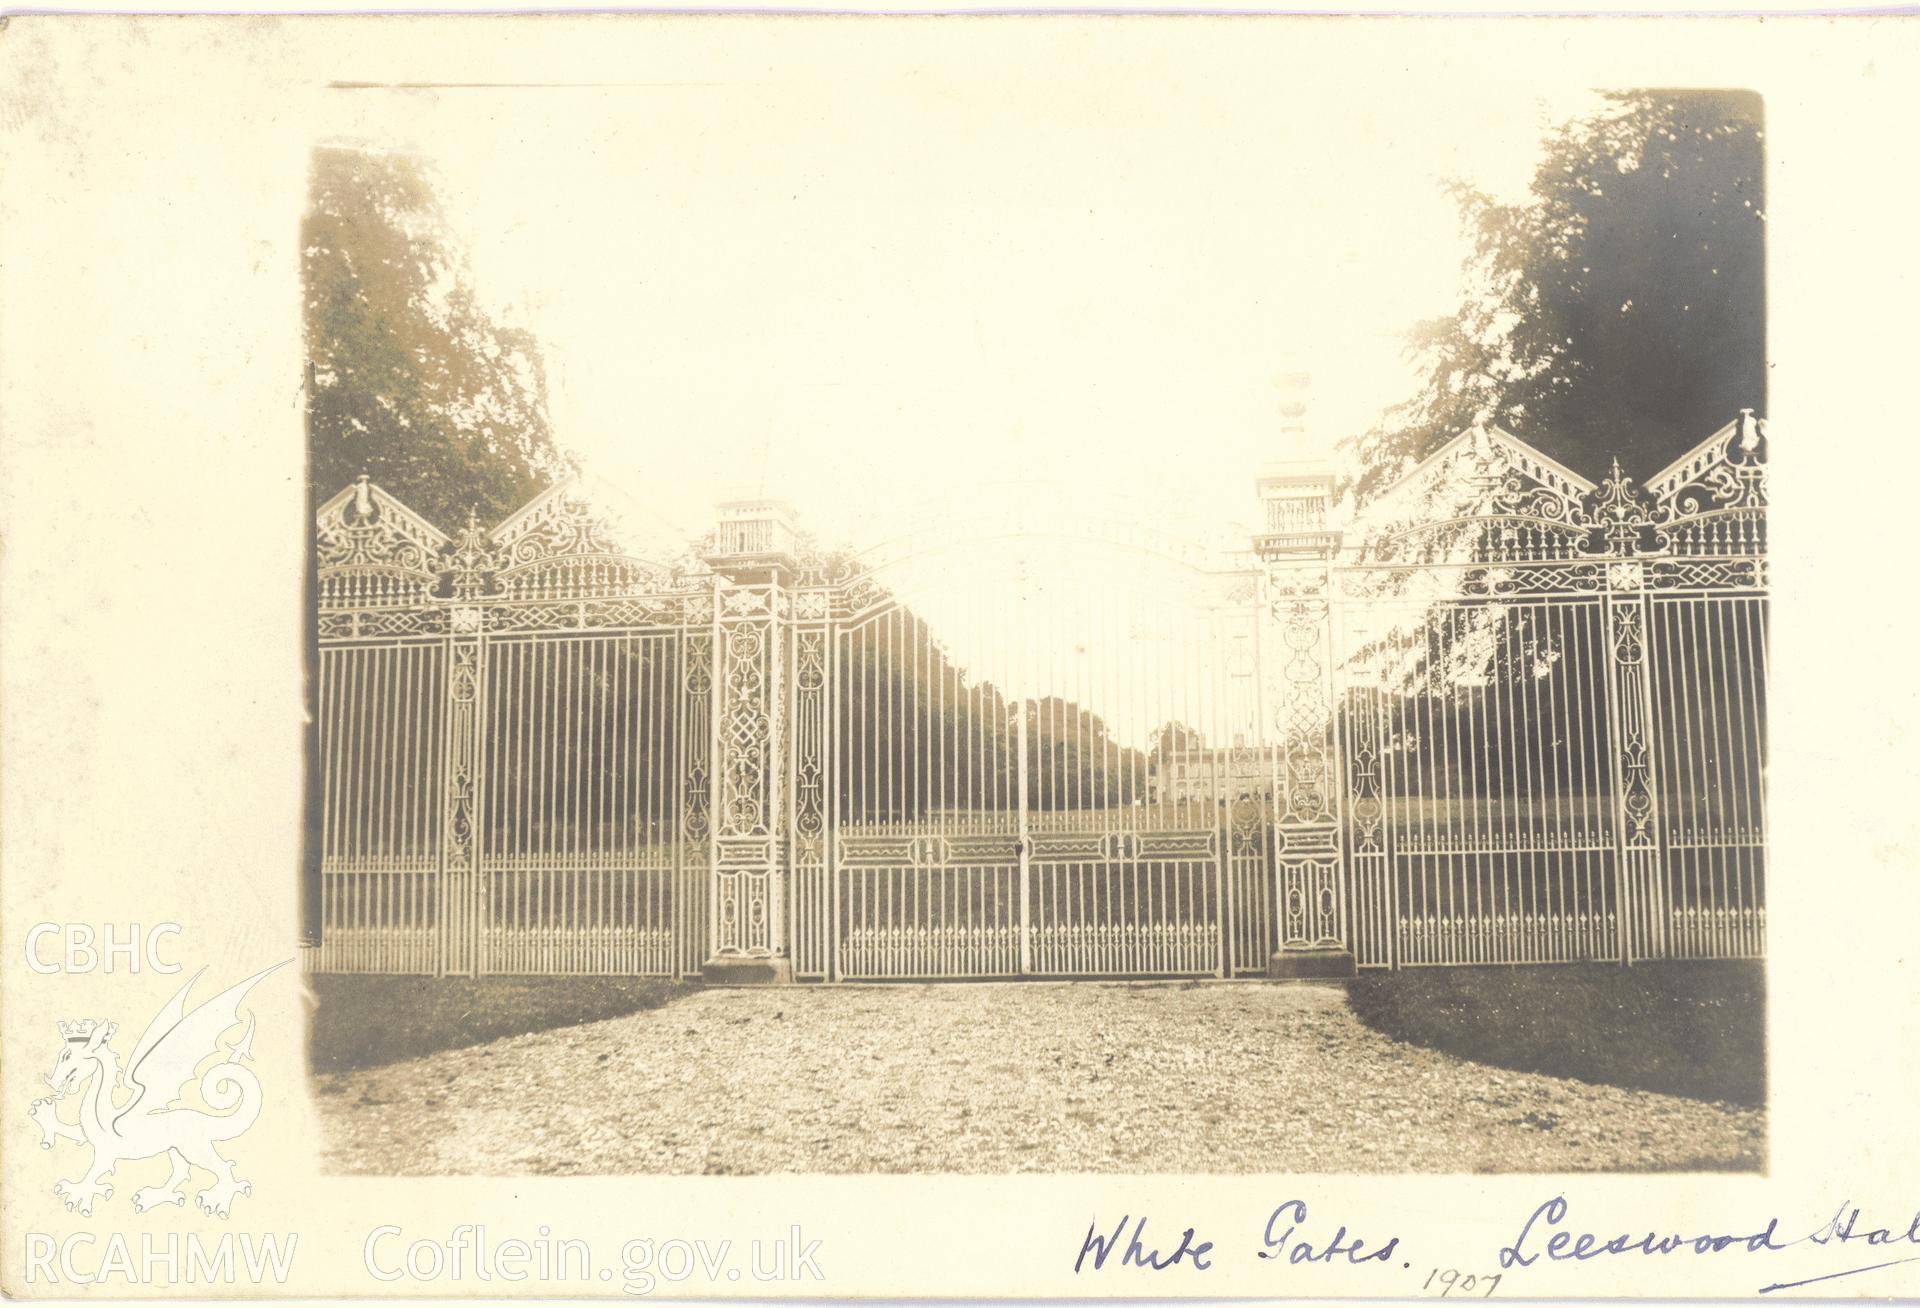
(1186, 776)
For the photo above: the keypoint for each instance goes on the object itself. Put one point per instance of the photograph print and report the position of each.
(1119, 639)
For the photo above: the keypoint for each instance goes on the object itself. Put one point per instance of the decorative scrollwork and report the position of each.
(1516, 497)
(638, 611)
(1309, 903)
(1628, 646)
(1486, 498)
(1299, 580)
(1693, 573)
(735, 603)
(469, 562)
(809, 744)
(1518, 580)
(1365, 795)
(747, 867)
(560, 547)
(1636, 764)
(1713, 499)
(463, 692)
(373, 550)
(1304, 708)
(1621, 513)
(697, 683)
(382, 623)
(1486, 495)
(749, 729)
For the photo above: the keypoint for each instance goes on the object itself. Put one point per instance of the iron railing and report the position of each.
(1519, 719)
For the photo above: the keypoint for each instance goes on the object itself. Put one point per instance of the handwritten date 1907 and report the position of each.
(1448, 1279)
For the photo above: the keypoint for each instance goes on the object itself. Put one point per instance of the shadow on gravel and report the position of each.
(364, 1021)
(1692, 1029)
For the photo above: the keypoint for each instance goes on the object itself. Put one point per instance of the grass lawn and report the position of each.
(1692, 1029)
(363, 1021)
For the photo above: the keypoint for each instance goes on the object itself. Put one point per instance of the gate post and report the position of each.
(1641, 898)
(460, 903)
(812, 716)
(1298, 550)
(753, 559)
(464, 892)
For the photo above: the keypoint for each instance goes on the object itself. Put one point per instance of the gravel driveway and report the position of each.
(1034, 1077)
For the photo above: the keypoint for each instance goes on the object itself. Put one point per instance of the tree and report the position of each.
(1618, 310)
(414, 383)
(1073, 761)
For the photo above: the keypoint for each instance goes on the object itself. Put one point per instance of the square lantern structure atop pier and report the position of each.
(754, 540)
(1297, 498)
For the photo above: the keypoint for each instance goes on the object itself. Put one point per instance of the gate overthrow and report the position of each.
(1509, 716)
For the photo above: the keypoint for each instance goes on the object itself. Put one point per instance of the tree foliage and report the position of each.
(1617, 310)
(414, 382)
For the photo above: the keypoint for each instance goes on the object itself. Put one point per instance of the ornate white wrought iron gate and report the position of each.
(1553, 714)
(1524, 724)
(1040, 761)
(514, 747)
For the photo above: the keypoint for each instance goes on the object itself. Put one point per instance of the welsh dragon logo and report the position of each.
(146, 1124)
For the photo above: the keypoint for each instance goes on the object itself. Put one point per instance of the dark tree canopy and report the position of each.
(916, 734)
(414, 383)
(1619, 310)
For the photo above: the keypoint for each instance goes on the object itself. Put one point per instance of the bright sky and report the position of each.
(867, 292)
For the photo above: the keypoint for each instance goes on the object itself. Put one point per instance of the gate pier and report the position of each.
(753, 561)
(1298, 550)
